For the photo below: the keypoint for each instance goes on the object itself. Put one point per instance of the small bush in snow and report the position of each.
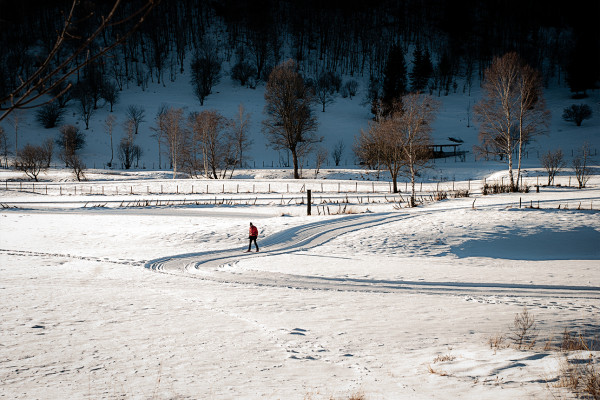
(32, 160)
(349, 89)
(523, 330)
(440, 195)
(49, 115)
(577, 113)
(461, 193)
(497, 188)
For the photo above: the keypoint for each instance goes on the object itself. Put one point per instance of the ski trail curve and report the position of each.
(293, 239)
(205, 266)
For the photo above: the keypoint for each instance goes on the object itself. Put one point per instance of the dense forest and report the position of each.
(438, 44)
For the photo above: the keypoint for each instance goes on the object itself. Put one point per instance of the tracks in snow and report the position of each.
(207, 266)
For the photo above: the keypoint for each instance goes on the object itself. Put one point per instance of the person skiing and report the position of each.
(252, 237)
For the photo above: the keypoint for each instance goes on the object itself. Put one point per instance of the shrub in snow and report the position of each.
(577, 113)
(49, 115)
(32, 160)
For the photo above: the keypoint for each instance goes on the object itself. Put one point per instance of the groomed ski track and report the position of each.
(210, 265)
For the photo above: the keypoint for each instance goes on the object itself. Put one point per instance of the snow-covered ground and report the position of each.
(394, 303)
(132, 284)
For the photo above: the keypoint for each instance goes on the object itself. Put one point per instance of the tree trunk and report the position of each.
(412, 185)
(111, 149)
(510, 169)
(519, 165)
(295, 161)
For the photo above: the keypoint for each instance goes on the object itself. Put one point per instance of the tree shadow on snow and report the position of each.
(582, 243)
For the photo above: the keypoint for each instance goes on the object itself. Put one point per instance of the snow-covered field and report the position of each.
(393, 303)
(135, 285)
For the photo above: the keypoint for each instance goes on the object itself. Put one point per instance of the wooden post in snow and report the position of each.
(308, 200)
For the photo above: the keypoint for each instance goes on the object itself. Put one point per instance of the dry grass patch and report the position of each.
(444, 358)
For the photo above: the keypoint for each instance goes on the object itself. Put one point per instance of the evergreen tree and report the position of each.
(394, 80)
(584, 65)
(445, 75)
(422, 70)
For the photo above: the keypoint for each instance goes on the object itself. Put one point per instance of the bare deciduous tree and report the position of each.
(109, 124)
(209, 138)
(577, 113)
(533, 116)
(15, 119)
(78, 167)
(49, 115)
(581, 165)
(366, 146)
(400, 141)
(85, 106)
(4, 151)
(171, 121)
(206, 70)
(338, 152)
(48, 146)
(290, 123)
(110, 93)
(240, 125)
(136, 115)
(54, 71)
(70, 140)
(32, 160)
(320, 157)
(160, 130)
(324, 87)
(127, 151)
(417, 114)
(553, 162)
(512, 110)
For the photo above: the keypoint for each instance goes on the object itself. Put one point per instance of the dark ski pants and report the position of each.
(252, 239)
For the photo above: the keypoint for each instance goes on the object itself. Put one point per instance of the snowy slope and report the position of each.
(342, 121)
(109, 292)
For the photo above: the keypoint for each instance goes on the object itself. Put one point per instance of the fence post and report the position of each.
(308, 193)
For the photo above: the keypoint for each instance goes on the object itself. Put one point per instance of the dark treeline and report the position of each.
(347, 37)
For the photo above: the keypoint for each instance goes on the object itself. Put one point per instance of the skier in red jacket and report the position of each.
(252, 237)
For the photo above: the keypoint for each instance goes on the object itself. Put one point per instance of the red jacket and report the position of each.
(253, 231)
